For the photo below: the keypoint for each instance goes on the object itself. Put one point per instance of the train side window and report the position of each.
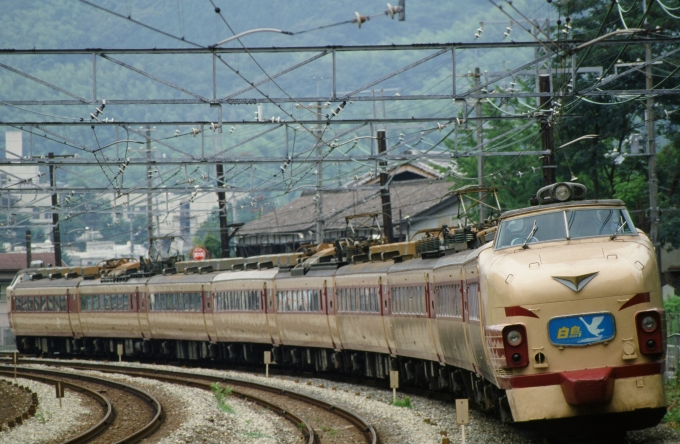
(24, 303)
(62, 303)
(83, 302)
(126, 302)
(29, 303)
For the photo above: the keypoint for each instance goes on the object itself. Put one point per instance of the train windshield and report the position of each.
(563, 225)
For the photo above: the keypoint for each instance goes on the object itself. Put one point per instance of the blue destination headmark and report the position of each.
(582, 329)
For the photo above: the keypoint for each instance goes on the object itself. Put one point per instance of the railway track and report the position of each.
(128, 414)
(310, 416)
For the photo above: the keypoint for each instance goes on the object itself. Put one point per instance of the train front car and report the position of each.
(574, 320)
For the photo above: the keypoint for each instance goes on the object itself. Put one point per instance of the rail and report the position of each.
(140, 434)
(93, 431)
(357, 421)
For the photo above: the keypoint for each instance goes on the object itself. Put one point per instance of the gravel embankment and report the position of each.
(423, 423)
(51, 423)
(202, 420)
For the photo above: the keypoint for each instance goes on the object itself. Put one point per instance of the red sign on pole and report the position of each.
(200, 253)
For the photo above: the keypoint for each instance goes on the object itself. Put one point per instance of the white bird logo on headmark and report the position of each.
(592, 327)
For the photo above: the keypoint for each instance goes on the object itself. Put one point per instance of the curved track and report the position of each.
(357, 428)
(113, 427)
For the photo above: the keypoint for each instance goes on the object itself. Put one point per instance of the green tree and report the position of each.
(615, 119)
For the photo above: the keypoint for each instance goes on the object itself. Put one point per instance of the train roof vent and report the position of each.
(237, 267)
(359, 258)
(190, 270)
(36, 276)
(206, 269)
(71, 275)
(251, 266)
(301, 271)
(387, 255)
(265, 265)
(54, 276)
(171, 270)
(402, 258)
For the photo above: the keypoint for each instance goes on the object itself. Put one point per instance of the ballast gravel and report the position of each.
(51, 423)
(427, 421)
(204, 422)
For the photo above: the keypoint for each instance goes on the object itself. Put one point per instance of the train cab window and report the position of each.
(563, 225)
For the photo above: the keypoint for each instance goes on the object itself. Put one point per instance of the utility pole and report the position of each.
(319, 178)
(149, 199)
(222, 208)
(28, 248)
(547, 143)
(56, 237)
(132, 233)
(384, 190)
(480, 144)
(651, 152)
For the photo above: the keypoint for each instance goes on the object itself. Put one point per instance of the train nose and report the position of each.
(587, 387)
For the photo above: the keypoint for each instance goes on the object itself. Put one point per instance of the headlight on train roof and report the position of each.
(562, 192)
(559, 192)
(514, 338)
(648, 324)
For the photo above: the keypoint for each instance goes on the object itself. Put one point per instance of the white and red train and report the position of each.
(555, 323)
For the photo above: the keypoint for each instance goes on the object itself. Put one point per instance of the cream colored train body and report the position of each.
(549, 324)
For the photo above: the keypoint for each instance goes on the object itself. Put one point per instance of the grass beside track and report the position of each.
(672, 418)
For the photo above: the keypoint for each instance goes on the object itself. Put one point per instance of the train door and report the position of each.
(142, 308)
(270, 314)
(430, 303)
(73, 308)
(330, 309)
(272, 309)
(470, 318)
(207, 303)
(386, 311)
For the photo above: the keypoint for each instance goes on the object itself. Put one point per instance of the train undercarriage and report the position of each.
(414, 373)
(446, 381)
